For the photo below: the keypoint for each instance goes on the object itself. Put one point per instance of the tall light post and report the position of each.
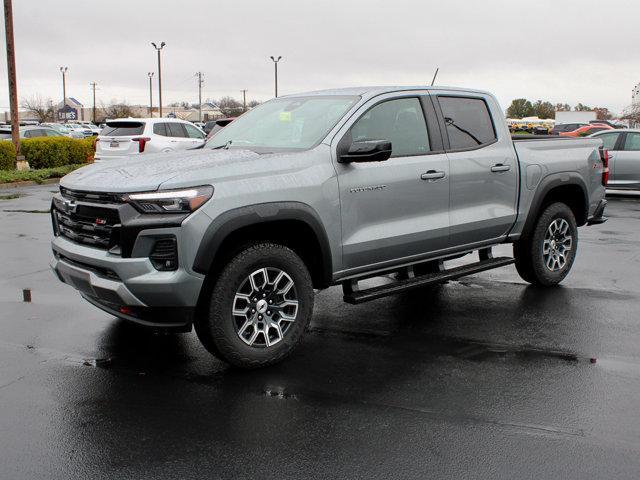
(150, 75)
(275, 63)
(63, 70)
(158, 49)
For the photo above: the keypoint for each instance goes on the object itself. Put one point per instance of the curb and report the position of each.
(29, 183)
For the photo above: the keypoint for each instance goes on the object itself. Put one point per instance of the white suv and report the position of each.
(133, 136)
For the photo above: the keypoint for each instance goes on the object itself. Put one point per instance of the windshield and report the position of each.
(293, 123)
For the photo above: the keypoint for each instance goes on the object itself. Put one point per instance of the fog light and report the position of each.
(164, 256)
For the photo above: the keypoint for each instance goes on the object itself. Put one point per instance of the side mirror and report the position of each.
(367, 151)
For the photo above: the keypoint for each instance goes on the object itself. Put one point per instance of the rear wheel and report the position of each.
(260, 307)
(546, 256)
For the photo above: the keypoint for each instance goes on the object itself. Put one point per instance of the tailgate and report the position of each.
(117, 138)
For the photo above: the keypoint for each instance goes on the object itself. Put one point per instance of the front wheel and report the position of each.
(546, 256)
(260, 307)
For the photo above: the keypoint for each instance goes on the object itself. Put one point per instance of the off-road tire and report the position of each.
(528, 251)
(215, 327)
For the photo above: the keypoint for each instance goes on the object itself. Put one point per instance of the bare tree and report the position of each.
(118, 110)
(42, 108)
(632, 114)
(229, 106)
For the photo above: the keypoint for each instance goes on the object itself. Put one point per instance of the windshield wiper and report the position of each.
(225, 146)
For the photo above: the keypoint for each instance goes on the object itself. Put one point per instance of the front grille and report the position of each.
(91, 197)
(89, 225)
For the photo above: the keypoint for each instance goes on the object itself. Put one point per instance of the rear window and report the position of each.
(123, 129)
(468, 122)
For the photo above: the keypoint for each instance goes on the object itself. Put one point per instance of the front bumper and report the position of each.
(130, 288)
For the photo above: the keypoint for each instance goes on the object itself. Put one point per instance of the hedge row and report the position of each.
(47, 152)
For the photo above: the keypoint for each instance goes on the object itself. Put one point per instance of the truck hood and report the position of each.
(149, 172)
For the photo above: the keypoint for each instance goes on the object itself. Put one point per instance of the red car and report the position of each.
(586, 130)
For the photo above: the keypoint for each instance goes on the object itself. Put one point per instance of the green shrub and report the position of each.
(7, 155)
(49, 152)
(38, 176)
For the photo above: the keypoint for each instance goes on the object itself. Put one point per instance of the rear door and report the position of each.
(116, 138)
(483, 166)
(626, 163)
(396, 209)
(178, 138)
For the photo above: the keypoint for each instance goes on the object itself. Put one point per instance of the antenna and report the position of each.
(434, 76)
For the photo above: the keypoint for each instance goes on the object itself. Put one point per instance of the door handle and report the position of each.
(432, 175)
(499, 167)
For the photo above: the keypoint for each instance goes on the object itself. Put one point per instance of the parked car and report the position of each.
(82, 129)
(566, 127)
(30, 132)
(200, 125)
(213, 126)
(623, 148)
(312, 190)
(540, 130)
(64, 130)
(586, 130)
(133, 136)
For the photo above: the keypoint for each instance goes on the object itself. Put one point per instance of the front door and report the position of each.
(484, 170)
(398, 208)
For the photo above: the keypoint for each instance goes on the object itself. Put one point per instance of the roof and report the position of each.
(379, 90)
(635, 130)
(73, 100)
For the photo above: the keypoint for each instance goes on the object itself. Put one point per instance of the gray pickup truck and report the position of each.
(319, 189)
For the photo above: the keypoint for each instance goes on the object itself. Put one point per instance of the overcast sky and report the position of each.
(558, 50)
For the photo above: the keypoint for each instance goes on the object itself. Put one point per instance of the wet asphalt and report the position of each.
(480, 378)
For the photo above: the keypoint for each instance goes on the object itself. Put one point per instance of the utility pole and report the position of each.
(244, 100)
(275, 63)
(13, 86)
(150, 75)
(200, 82)
(63, 70)
(159, 77)
(93, 87)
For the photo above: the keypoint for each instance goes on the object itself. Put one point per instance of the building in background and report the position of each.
(575, 117)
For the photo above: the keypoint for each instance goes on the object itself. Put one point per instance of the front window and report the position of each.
(289, 123)
(399, 121)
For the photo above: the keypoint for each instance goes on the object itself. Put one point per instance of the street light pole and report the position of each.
(275, 63)
(63, 70)
(150, 75)
(244, 100)
(159, 77)
(13, 86)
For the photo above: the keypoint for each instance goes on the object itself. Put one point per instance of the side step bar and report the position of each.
(353, 295)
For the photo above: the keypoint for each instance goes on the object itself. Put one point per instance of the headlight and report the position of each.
(170, 201)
